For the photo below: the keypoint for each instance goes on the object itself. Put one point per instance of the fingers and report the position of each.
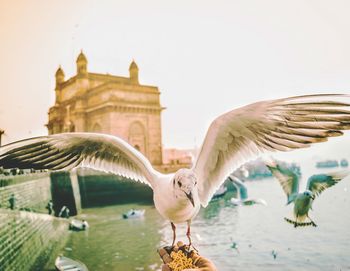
(204, 264)
(180, 244)
(164, 255)
(165, 268)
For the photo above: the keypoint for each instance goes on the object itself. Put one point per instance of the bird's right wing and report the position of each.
(288, 179)
(70, 150)
(320, 182)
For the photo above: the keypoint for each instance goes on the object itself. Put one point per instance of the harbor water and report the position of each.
(117, 244)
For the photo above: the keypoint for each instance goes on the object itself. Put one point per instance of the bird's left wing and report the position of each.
(67, 151)
(278, 125)
(320, 182)
(287, 178)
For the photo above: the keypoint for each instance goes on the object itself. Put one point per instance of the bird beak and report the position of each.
(190, 197)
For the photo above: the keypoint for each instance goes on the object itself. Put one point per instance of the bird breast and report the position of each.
(302, 204)
(176, 209)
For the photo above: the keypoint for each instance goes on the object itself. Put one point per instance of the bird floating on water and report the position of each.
(316, 184)
(232, 139)
(243, 193)
(274, 254)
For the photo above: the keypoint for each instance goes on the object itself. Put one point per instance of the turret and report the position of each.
(82, 64)
(59, 81)
(134, 73)
(59, 76)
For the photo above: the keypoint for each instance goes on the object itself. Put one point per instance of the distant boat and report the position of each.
(66, 264)
(134, 214)
(78, 225)
(344, 163)
(327, 164)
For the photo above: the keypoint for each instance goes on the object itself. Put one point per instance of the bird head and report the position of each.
(309, 194)
(185, 181)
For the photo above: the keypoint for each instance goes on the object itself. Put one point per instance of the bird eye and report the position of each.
(179, 183)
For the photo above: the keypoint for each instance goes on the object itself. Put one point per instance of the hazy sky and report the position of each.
(207, 57)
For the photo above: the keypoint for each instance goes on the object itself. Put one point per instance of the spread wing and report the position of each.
(70, 150)
(287, 178)
(278, 125)
(320, 182)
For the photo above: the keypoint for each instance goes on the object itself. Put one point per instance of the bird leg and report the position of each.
(312, 222)
(188, 234)
(174, 233)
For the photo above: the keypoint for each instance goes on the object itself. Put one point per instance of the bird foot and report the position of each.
(191, 245)
(300, 224)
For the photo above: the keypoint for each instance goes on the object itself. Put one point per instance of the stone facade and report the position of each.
(121, 106)
(30, 191)
(28, 239)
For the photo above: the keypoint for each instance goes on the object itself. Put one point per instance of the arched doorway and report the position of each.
(137, 137)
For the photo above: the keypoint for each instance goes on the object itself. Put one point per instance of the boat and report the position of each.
(344, 163)
(63, 263)
(327, 164)
(134, 214)
(78, 225)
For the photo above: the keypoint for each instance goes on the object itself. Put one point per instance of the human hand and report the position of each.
(200, 263)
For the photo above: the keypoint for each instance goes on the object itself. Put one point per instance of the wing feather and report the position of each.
(320, 182)
(278, 125)
(67, 151)
(287, 178)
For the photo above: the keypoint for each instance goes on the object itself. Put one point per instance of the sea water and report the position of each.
(113, 243)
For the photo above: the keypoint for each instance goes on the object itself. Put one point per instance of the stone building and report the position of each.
(103, 103)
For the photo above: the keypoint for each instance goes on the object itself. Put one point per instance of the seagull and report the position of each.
(232, 139)
(316, 184)
(274, 254)
(243, 193)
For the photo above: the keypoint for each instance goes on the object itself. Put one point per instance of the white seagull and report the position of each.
(316, 184)
(243, 193)
(231, 140)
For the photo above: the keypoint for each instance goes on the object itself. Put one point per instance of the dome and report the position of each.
(59, 72)
(81, 57)
(133, 66)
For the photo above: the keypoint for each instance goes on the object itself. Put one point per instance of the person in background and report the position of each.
(64, 212)
(49, 207)
(12, 202)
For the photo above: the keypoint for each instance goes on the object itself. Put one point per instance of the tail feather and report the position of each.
(300, 224)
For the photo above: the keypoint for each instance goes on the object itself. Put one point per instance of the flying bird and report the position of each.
(231, 140)
(316, 184)
(243, 193)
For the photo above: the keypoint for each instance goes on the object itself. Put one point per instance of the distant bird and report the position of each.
(243, 192)
(274, 254)
(234, 245)
(231, 140)
(316, 184)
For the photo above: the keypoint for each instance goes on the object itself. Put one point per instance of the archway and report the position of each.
(137, 137)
